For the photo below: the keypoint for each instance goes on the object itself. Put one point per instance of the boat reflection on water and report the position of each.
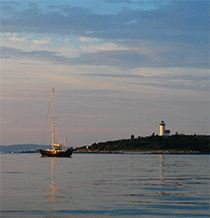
(53, 188)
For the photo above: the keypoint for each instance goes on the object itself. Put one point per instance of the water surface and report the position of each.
(105, 185)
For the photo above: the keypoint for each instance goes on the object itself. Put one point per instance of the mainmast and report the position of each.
(53, 117)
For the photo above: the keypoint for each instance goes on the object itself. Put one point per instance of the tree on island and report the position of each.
(132, 137)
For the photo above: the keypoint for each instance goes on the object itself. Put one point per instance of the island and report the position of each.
(173, 144)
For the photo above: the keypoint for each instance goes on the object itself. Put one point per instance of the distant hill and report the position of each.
(20, 148)
(154, 143)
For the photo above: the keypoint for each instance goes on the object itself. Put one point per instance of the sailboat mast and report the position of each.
(53, 117)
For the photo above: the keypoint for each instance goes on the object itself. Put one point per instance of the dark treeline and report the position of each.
(185, 143)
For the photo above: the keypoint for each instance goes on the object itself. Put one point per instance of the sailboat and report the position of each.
(57, 149)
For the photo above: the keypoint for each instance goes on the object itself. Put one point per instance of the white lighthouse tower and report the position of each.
(162, 128)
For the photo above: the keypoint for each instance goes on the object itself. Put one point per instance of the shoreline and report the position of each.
(142, 152)
(122, 152)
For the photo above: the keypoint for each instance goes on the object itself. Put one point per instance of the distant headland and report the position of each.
(173, 144)
(162, 143)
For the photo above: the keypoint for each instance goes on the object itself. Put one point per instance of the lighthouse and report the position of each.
(162, 128)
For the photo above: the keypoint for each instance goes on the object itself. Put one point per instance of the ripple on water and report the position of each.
(106, 185)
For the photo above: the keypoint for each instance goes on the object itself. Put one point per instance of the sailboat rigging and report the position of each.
(57, 149)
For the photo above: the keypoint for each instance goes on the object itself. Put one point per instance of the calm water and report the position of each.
(105, 185)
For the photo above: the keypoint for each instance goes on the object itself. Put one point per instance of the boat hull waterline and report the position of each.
(56, 153)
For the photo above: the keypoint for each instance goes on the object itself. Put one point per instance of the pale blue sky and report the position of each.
(118, 67)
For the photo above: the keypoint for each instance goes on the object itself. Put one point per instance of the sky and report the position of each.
(118, 67)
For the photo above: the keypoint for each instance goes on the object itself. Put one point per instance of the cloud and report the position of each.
(136, 59)
(164, 78)
(12, 53)
(14, 37)
(117, 58)
(175, 34)
(112, 75)
(197, 81)
(45, 41)
(179, 21)
(176, 77)
(176, 85)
